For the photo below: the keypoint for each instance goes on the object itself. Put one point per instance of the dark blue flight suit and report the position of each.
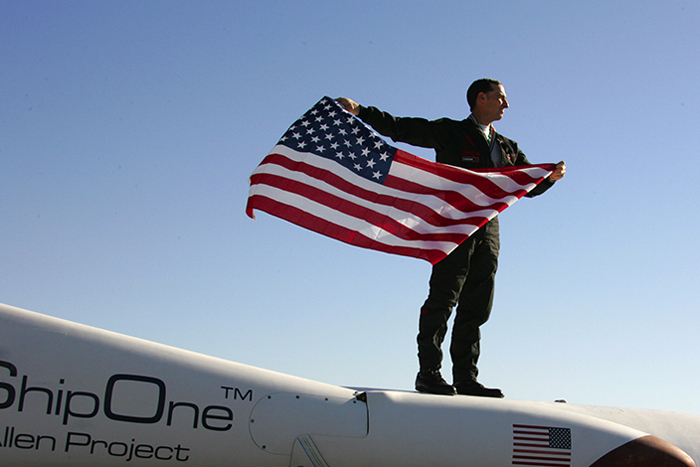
(465, 278)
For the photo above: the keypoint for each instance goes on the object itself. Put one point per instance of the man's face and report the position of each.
(494, 104)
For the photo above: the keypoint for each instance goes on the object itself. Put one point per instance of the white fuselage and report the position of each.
(72, 395)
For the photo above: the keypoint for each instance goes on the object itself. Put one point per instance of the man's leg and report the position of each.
(446, 282)
(474, 309)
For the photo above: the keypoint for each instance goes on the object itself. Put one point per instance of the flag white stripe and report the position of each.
(427, 179)
(475, 195)
(406, 218)
(408, 173)
(350, 222)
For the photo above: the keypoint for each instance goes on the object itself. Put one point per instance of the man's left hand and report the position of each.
(558, 173)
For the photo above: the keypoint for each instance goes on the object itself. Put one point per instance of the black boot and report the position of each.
(473, 388)
(431, 381)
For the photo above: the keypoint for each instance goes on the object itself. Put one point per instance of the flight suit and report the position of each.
(466, 277)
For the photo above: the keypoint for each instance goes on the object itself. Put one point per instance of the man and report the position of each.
(465, 278)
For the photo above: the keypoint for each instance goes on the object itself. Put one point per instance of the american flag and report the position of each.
(541, 446)
(333, 174)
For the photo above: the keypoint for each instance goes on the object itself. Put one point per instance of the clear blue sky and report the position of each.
(128, 131)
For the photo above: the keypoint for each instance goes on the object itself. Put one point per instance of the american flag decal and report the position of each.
(541, 446)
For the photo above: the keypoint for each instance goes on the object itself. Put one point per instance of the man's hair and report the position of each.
(480, 85)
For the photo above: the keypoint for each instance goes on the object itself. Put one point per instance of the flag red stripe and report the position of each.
(468, 177)
(324, 227)
(538, 451)
(361, 212)
(541, 464)
(534, 427)
(539, 458)
(485, 186)
(455, 199)
(418, 209)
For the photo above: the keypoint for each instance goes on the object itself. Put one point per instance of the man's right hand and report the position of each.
(350, 105)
